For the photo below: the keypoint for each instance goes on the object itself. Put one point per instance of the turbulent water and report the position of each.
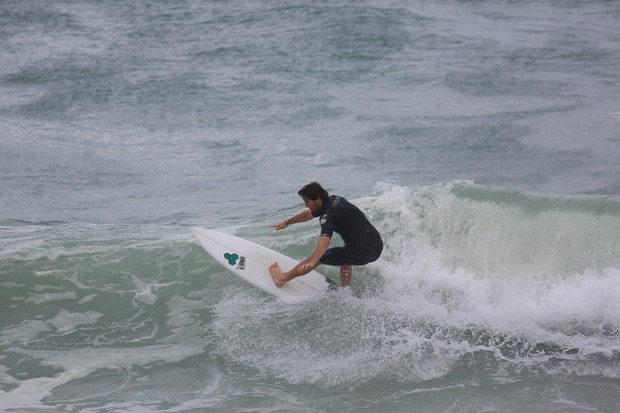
(481, 138)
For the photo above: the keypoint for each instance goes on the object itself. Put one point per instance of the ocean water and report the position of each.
(481, 137)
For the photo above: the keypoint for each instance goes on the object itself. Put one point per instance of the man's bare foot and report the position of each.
(277, 275)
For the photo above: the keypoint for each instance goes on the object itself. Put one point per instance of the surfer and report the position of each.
(362, 242)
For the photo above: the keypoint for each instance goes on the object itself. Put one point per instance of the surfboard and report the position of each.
(250, 262)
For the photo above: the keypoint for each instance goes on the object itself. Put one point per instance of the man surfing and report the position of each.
(362, 242)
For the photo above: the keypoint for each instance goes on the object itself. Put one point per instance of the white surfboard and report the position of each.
(251, 262)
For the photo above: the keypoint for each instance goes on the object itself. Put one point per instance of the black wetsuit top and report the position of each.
(362, 241)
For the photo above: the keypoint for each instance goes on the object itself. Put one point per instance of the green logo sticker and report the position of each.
(232, 258)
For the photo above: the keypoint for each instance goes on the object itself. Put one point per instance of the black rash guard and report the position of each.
(362, 242)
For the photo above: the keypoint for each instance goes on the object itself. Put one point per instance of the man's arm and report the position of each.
(313, 260)
(280, 278)
(303, 216)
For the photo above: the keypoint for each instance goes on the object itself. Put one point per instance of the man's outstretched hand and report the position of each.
(279, 225)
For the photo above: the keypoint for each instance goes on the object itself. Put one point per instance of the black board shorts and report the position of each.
(351, 256)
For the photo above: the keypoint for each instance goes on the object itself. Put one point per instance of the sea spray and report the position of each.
(445, 298)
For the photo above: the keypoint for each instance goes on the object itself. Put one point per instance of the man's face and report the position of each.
(314, 206)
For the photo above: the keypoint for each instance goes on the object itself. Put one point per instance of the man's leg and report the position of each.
(280, 277)
(346, 271)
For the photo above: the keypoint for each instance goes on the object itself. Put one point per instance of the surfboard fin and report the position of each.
(333, 285)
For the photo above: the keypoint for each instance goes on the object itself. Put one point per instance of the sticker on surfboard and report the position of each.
(232, 260)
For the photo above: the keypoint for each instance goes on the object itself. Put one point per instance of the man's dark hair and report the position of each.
(314, 191)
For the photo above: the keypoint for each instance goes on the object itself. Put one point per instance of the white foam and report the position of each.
(433, 308)
(145, 291)
(48, 297)
(79, 363)
(87, 299)
(30, 392)
(23, 333)
(65, 321)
